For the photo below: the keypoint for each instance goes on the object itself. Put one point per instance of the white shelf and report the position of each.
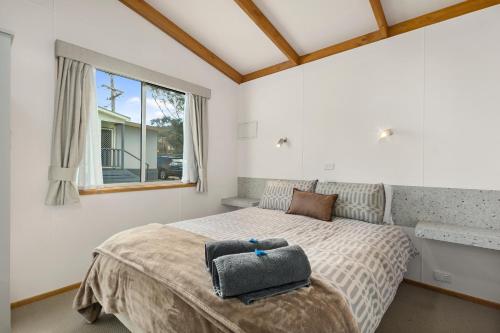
(485, 238)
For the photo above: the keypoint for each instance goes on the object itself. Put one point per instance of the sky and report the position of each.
(129, 103)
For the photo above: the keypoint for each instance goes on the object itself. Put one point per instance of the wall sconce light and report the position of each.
(281, 141)
(385, 133)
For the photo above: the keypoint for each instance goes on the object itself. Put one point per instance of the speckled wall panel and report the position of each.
(407, 205)
(472, 208)
(411, 204)
(252, 187)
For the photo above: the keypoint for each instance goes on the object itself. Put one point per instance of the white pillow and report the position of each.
(363, 202)
(278, 193)
(388, 204)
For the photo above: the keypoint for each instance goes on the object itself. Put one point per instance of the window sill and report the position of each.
(134, 188)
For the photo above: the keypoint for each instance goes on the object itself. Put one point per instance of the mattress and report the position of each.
(364, 261)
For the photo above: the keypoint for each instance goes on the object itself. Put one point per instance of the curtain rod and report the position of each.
(120, 67)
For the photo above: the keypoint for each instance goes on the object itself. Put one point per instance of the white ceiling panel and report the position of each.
(314, 24)
(223, 27)
(401, 10)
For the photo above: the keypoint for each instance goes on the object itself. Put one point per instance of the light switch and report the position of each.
(329, 166)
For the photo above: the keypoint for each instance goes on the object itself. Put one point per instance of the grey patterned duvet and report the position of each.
(364, 261)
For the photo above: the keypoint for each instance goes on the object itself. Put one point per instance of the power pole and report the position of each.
(113, 92)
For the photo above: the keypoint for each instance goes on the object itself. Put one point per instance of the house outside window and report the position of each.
(141, 130)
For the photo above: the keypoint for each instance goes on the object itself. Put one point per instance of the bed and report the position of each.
(153, 278)
(364, 262)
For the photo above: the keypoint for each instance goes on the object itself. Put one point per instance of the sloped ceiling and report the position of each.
(314, 24)
(307, 25)
(222, 27)
(401, 10)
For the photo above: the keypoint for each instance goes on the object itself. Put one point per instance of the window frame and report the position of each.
(142, 184)
(134, 187)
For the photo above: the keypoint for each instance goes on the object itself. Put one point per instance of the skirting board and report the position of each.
(409, 281)
(454, 294)
(46, 295)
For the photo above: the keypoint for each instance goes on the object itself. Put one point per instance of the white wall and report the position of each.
(462, 104)
(437, 87)
(51, 247)
(5, 44)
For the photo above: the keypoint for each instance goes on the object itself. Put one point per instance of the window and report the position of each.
(141, 130)
(164, 135)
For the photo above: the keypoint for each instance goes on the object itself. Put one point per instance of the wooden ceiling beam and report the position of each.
(268, 28)
(170, 28)
(326, 52)
(437, 16)
(441, 15)
(268, 70)
(142, 8)
(342, 47)
(379, 14)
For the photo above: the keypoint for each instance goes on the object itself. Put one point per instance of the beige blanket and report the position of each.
(156, 276)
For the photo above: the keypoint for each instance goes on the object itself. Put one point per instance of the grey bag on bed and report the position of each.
(221, 248)
(278, 271)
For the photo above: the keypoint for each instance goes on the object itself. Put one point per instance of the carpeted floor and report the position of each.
(414, 310)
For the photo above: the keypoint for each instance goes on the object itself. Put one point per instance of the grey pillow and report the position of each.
(364, 202)
(278, 193)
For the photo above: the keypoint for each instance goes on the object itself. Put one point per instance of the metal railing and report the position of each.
(114, 158)
(111, 158)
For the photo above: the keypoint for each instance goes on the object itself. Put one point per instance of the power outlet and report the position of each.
(442, 276)
(329, 166)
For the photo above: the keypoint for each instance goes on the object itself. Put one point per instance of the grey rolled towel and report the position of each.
(217, 249)
(259, 294)
(253, 277)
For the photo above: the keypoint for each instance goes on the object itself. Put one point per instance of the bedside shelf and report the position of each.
(485, 238)
(240, 202)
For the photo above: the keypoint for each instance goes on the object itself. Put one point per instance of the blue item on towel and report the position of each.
(252, 277)
(216, 249)
(260, 253)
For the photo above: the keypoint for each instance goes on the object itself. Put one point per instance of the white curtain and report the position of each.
(195, 156)
(198, 129)
(75, 86)
(90, 169)
(189, 168)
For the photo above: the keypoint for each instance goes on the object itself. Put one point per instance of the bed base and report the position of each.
(125, 320)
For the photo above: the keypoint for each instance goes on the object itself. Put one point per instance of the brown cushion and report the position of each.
(315, 205)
